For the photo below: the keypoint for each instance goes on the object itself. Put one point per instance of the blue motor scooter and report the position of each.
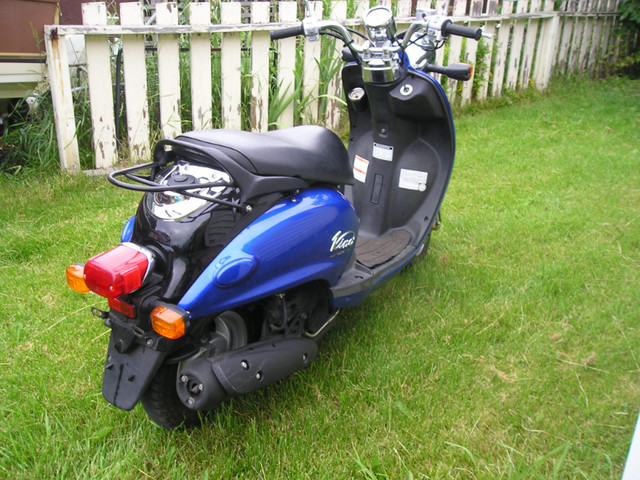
(245, 245)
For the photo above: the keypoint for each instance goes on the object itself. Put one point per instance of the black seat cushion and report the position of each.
(310, 152)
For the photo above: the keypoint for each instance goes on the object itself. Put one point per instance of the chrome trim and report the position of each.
(146, 252)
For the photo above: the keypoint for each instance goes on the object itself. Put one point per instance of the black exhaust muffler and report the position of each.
(205, 383)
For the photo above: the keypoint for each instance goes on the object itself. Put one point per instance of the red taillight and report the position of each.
(116, 272)
(123, 307)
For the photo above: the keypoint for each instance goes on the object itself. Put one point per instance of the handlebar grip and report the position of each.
(287, 32)
(450, 28)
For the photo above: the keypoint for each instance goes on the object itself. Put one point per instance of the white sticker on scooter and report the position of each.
(360, 167)
(383, 152)
(413, 180)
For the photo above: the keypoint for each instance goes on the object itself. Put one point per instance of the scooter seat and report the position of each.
(310, 152)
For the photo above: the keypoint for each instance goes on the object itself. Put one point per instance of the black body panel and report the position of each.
(187, 246)
(403, 142)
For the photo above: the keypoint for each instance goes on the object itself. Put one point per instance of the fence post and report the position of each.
(200, 57)
(260, 69)
(100, 87)
(62, 100)
(231, 78)
(135, 83)
(169, 70)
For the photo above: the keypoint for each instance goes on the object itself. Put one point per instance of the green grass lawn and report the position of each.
(511, 351)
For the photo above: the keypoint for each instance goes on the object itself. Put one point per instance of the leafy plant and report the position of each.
(629, 29)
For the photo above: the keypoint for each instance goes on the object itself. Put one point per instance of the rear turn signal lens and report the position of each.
(167, 322)
(75, 278)
(117, 272)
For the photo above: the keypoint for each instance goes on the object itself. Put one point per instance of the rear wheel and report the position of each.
(425, 246)
(161, 401)
(162, 404)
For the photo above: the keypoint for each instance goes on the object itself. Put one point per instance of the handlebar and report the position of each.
(447, 28)
(379, 54)
(287, 32)
(450, 28)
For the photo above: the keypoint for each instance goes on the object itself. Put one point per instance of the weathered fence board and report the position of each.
(515, 54)
(490, 29)
(565, 42)
(578, 27)
(528, 51)
(311, 70)
(260, 69)
(135, 84)
(606, 45)
(502, 49)
(455, 50)
(527, 45)
(586, 38)
(546, 51)
(100, 91)
(441, 5)
(338, 13)
(169, 71)
(288, 12)
(231, 67)
(200, 56)
(62, 101)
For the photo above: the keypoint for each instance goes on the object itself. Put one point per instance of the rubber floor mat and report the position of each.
(374, 251)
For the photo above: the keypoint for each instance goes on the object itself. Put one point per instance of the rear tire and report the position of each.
(162, 404)
(425, 248)
(161, 400)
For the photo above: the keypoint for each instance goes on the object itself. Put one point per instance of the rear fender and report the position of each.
(128, 369)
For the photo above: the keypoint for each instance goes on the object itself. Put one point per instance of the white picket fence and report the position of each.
(530, 43)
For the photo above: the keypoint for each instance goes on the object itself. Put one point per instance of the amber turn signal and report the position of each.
(167, 322)
(75, 278)
(471, 67)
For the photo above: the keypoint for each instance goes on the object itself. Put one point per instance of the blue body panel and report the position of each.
(308, 237)
(127, 230)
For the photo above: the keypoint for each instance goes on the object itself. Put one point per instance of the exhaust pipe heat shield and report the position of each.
(205, 383)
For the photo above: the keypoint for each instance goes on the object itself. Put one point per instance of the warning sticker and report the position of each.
(413, 180)
(360, 167)
(383, 152)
